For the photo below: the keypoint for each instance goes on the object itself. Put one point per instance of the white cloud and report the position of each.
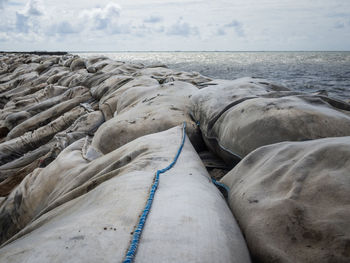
(155, 24)
(181, 28)
(153, 19)
(37, 19)
(339, 25)
(32, 8)
(220, 32)
(22, 23)
(27, 18)
(238, 27)
(121, 29)
(2, 3)
(101, 18)
(62, 28)
(4, 37)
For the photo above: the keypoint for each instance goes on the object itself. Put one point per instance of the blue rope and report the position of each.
(218, 184)
(130, 255)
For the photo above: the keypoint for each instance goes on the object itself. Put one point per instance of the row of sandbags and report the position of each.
(45, 96)
(237, 117)
(84, 205)
(291, 199)
(39, 117)
(113, 168)
(82, 208)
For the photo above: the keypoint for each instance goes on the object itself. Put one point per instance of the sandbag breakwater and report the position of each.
(81, 140)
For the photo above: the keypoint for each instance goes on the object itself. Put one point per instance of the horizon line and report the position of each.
(160, 51)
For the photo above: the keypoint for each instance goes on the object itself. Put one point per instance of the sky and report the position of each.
(181, 25)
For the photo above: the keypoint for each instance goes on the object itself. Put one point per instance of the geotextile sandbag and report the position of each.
(77, 64)
(12, 176)
(20, 80)
(56, 77)
(164, 75)
(118, 67)
(96, 79)
(17, 146)
(50, 72)
(72, 79)
(85, 125)
(142, 110)
(15, 111)
(20, 70)
(50, 114)
(189, 220)
(108, 103)
(31, 94)
(50, 102)
(238, 118)
(44, 92)
(23, 91)
(292, 201)
(31, 155)
(264, 121)
(209, 103)
(100, 64)
(109, 85)
(20, 91)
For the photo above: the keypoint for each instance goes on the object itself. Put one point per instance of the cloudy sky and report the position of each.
(128, 25)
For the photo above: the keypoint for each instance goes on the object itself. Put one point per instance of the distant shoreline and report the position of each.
(170, 51)
(211, 51)
(40, 53)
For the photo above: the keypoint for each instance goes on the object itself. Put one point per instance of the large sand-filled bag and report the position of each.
(19, 71)
(239, 117)
(142, 110)
(16, 147)
(73, 79)
(52, 75)
(20, 80)
(32, 95)
(50, 114)
(19, 116)
(83, 209)
(20, 156)
(109, 85)
(292, 201)
(163, 75)
(12, 173)
(85, 125)
(108, 103)
(211, 102)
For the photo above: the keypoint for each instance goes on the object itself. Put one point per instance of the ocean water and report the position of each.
(302, 71)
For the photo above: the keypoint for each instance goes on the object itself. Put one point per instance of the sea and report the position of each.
(301, 71)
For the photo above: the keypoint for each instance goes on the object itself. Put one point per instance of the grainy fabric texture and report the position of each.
(237, 117)
(292, 201)
(82, 139)
(77, 210)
